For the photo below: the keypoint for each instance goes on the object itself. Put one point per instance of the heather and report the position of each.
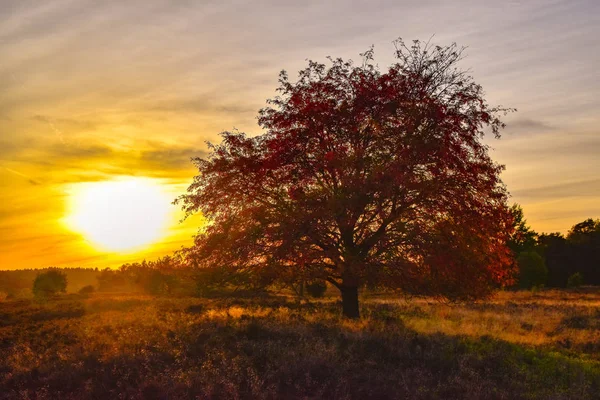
(517, 345)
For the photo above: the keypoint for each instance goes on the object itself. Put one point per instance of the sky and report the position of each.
(96, 91)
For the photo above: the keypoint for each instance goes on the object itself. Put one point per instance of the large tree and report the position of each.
(363, 177)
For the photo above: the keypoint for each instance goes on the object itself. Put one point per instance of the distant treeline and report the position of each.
(551, 260)
(555, 260)
(19, 283)
(166, 275)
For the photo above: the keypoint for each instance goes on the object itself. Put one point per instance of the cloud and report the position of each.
(80, 152)
(69, 124)
(8, 148)
(209, 103)
(549, 148)
(527, 125)
(100, 162)
(56, 162)
(26, 177)
(583, 188)
(171, 158)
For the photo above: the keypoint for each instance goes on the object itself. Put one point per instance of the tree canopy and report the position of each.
(49, 283)
(363, 176)
(523, 238)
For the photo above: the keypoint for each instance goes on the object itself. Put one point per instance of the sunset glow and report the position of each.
(95, 91)
(120, 216)
(299, 199)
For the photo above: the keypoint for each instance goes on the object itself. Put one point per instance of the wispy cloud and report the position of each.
(26, 177)
(583, 188)
(527, 126)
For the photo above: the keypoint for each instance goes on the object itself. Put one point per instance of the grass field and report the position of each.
(518, 345)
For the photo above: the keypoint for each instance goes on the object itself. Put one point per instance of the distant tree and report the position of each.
(557, 253)
(110, 280)
(524, 243)
(532, 270)
(584, 241)
(156, 282)
(49, 283)
(363, 176)
(584, 231)
(523, 238)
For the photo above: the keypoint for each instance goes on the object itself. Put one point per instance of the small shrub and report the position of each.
(50, 283)
(316, 289)
(195, 309)
(222, 281)
(576, 322)
(527, 326)
(114, 281)
(575, 280)
(87, 289)
(537, 288)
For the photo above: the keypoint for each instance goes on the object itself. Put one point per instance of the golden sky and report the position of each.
(108, 91)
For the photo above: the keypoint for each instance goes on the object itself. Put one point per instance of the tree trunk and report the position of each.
(350, 302)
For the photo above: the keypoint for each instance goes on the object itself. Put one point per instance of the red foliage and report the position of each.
(364, 177)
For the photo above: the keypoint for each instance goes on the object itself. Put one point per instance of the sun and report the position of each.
(122, 215)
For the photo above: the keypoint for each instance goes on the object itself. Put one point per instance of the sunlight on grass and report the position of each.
(513, 346)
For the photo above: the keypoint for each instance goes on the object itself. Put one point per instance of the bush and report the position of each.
(87, 289)
(156, 283)
(316, 289)
(575, 280)
(537, 288)
(219, 281)
(532, 270)
(49, 283)
(114, 281)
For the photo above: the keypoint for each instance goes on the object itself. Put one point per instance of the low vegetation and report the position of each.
(518, 345)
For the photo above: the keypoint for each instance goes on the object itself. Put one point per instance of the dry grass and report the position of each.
(517, 345)
(552, 319)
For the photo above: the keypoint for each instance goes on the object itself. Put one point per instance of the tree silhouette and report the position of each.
(584, 231)
(362, 177)
(558, 255)
(523, 239)
(524, 245)
(49, 283)
(584, 240)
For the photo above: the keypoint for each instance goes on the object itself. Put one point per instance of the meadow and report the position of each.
(517, 345)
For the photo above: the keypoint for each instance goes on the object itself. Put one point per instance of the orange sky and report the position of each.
(95, 91)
